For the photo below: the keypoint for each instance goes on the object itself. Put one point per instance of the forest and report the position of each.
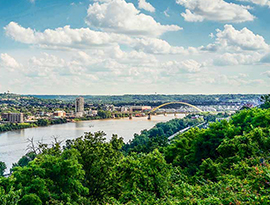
(225, 163)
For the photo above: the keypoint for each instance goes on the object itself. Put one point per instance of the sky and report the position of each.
(111, 47)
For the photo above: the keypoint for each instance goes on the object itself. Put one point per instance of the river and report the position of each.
(13, 144)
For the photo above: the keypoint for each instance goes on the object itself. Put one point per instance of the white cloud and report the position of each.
(133, 56)
(237, 40)
(231, 59)
(234, 47)
(166, 12)
(191, 17)
(85, 38)
(45, 66)
(99, 64)
(65, 37)
(186, 66)
(258, 2)
(156, 46)
(215, 10)
(159, 46)
(122, 17)
(266, 58)
(244, 38)
(238, 80)
(146, 6)
(9, 62)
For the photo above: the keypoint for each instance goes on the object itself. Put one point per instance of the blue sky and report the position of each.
(134, 46)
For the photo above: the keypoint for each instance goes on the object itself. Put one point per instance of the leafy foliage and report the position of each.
(157, 137)
(2, 168)
(226, 163)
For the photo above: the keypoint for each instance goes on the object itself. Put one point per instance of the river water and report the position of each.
(13, 144)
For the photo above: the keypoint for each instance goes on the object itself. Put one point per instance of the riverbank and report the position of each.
(40, 123)
(47, 122)
(16, 126)
(13, 144)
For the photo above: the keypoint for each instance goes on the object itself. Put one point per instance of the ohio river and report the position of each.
(13, 144)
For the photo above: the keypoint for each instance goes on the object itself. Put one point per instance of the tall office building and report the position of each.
(79, 106)
(15, 117)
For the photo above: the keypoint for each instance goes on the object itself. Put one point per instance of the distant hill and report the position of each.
(195, 99)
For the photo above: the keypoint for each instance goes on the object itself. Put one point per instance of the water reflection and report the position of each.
(16, 133)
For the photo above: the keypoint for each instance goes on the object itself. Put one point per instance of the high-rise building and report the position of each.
(15, 117)
(79, 106)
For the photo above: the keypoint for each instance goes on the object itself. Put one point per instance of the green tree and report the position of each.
(52, 178)
(2, 168)
(43, 122)
(141, 177)
(32, 199)
(98, 158)
(104, 114)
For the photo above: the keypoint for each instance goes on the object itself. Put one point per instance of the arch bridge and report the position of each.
(169, 103)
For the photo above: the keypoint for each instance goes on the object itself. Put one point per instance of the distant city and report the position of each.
(29, 109)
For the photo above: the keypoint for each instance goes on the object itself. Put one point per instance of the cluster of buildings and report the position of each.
(79, 111)
(92, 112)
(13, 117)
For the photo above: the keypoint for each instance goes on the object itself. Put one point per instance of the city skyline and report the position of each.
(134, 46)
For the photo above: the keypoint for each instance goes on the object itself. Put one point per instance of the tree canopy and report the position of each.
(225, 163)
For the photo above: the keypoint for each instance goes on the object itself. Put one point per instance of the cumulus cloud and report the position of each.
(215, 10)
(192, 17)
(244, 38)
(9, 62)
(131, 56)
(232, 59)
(112, 61)
(189, 66)
(157, 46)
(44, 66)
(66, 36)
(239, 80)
(84, 38)
(121, 17)
(258, 2)
(237, 40)
(146, 6)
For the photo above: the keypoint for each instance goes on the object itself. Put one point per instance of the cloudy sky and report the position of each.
(134, 46)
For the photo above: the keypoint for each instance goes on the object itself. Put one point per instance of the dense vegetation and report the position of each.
(15, 126)
(46, 122)
(226, 163)
(157, 137)
(40, 122)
